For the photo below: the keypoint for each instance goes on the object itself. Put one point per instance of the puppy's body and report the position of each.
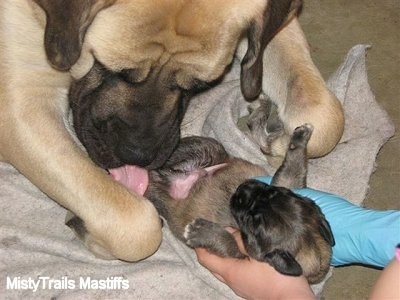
(131, 67)
(208, 197)
(201, 190)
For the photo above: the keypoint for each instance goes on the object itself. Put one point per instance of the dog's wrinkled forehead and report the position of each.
(190, 37)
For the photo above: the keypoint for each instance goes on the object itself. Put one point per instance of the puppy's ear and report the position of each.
(277, 14)
(326, 232)
(283, 262)
(67, 22)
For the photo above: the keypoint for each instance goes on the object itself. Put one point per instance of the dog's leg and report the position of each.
(210, 235)
(293, 172)
(294, 84)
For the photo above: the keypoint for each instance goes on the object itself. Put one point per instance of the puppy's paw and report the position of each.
(212, 236)
(197, 233)
(301, 136)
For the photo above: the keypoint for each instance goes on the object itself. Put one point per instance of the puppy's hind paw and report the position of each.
(301, 136)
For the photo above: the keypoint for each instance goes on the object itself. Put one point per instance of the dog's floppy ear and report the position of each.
(66, 25)
(277, 14)
(283, 262)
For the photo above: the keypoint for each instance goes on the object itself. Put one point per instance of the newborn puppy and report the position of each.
(201, 189)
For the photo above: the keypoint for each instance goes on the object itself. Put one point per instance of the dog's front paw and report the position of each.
(77, 225)
(301, 136)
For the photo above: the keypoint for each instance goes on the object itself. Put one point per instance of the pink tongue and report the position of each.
(133, 177)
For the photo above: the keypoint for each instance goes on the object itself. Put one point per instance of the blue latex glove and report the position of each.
(361, 235)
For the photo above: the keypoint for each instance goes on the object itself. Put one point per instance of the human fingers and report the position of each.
(206, 259)
(238, 238)
(214, 263)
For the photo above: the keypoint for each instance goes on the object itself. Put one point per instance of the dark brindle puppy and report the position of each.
(201, 190)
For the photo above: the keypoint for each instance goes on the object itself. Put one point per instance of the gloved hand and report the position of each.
(361, 235)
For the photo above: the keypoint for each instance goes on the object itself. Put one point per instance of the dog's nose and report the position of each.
(139, 155)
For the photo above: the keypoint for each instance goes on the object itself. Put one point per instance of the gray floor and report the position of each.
(332, 28)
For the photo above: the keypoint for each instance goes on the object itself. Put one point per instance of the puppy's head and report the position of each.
(283, 229)
(140, 61)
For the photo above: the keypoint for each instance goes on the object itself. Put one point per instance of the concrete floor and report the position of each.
(332, 28)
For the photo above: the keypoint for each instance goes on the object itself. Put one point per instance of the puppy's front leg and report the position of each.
(210, 235)
(123, 224)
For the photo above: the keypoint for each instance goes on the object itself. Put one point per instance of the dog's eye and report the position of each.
(132, 75)
(197, 85)
(190, 84)
(200, 85)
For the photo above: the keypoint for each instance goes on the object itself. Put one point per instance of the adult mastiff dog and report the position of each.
(131, 67)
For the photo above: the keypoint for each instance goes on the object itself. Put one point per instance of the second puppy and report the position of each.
(201, 189)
